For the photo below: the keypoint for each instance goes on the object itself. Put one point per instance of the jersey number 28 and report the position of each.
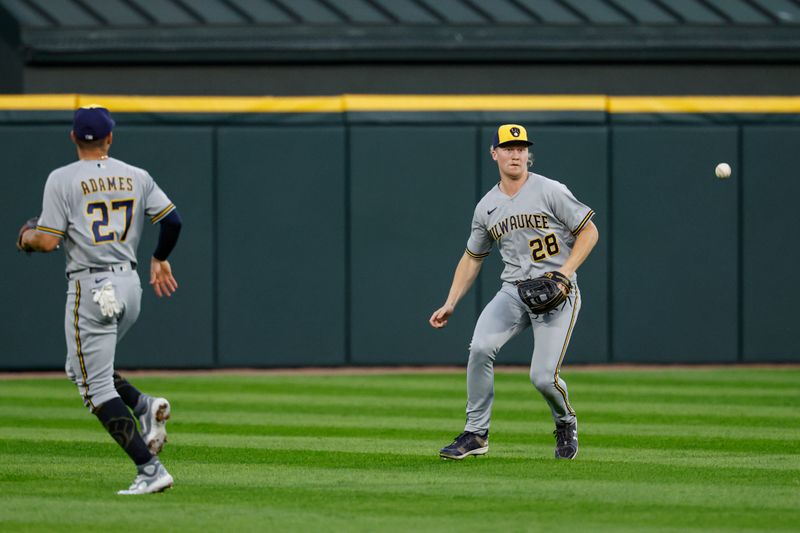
(100, 223)
(546, 246)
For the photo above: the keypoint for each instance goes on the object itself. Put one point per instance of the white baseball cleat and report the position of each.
(153, 424)
(152, 478)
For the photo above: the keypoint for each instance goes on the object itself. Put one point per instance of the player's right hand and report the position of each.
(161, 278)
(439, 317)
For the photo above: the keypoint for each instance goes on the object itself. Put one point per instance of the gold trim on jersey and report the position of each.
(519, 221)
(564, 352)
(163, 213)
(119, 203)
(545, 247)
(79, 346)
(54, 231)
(583, 223)
(477, 256)
(99, 225)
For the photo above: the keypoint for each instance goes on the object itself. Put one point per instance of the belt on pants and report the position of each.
(119, 267)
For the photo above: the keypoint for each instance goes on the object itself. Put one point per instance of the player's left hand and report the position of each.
(161, 278)
(439, 317)
(567, 274)
(28, 225)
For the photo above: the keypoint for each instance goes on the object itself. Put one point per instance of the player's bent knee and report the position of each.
(484, 346)
(542, 381)
(480, 351)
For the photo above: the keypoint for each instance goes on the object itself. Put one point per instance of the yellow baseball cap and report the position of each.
(508, 133)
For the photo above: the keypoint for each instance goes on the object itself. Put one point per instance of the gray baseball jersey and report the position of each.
(534, 229)
(98, 207)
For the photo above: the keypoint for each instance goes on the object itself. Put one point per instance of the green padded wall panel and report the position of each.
(412, 196)
(770, 188)
(674, 245)
(281, 292)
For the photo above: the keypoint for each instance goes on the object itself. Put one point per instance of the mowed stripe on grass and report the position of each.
(661, 450)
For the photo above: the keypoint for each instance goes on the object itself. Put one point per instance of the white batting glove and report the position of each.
(107, 300)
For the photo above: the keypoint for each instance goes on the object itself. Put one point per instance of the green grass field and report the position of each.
(661, 450)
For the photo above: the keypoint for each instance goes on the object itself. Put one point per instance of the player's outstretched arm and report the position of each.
(584, 243)
(466, 272)
(161, 278)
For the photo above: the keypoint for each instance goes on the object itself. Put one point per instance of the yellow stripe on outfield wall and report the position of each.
(222, 104)
(510, 102)
(343, 103)
(404, 103)
(704, 104)
(39, 102)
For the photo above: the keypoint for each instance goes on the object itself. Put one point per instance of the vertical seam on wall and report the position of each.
(215, 356)
(348, 278)
(739, 246)
(610, 233)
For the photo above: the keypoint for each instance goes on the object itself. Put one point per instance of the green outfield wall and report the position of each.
(325, 231)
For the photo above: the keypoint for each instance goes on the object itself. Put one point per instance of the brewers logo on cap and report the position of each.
(510, 133)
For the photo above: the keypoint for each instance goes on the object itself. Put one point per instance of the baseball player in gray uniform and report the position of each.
(96, 207)
(539, 226)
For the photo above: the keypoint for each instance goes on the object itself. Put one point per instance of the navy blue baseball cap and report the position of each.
(92, 122)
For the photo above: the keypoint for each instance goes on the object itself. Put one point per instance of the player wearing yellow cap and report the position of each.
(538, 226)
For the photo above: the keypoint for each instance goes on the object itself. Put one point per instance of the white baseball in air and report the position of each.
(723, 170)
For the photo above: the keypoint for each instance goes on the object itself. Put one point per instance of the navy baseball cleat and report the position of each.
(467, 443)
(566, 440)
(153, 423)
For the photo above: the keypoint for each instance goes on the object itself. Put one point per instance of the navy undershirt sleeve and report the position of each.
(170, 229)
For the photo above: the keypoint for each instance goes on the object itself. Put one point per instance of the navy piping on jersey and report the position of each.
(477, 256)
(53, 231)
(583, 223)
(79, 347)
(563, 353)
(163, 213)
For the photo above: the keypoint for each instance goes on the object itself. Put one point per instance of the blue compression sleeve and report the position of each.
(168, 235)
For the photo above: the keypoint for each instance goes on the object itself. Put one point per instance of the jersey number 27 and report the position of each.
(100, 212)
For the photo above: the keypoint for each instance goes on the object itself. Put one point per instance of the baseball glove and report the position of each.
(29, 224)
(543, 294)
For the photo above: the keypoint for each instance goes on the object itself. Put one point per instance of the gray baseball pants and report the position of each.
(501, 320)
(92, 338)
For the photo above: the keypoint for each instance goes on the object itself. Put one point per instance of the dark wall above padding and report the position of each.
(399, 31)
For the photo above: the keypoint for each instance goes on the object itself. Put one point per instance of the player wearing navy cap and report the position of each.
(96, 208)
(538, 226)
